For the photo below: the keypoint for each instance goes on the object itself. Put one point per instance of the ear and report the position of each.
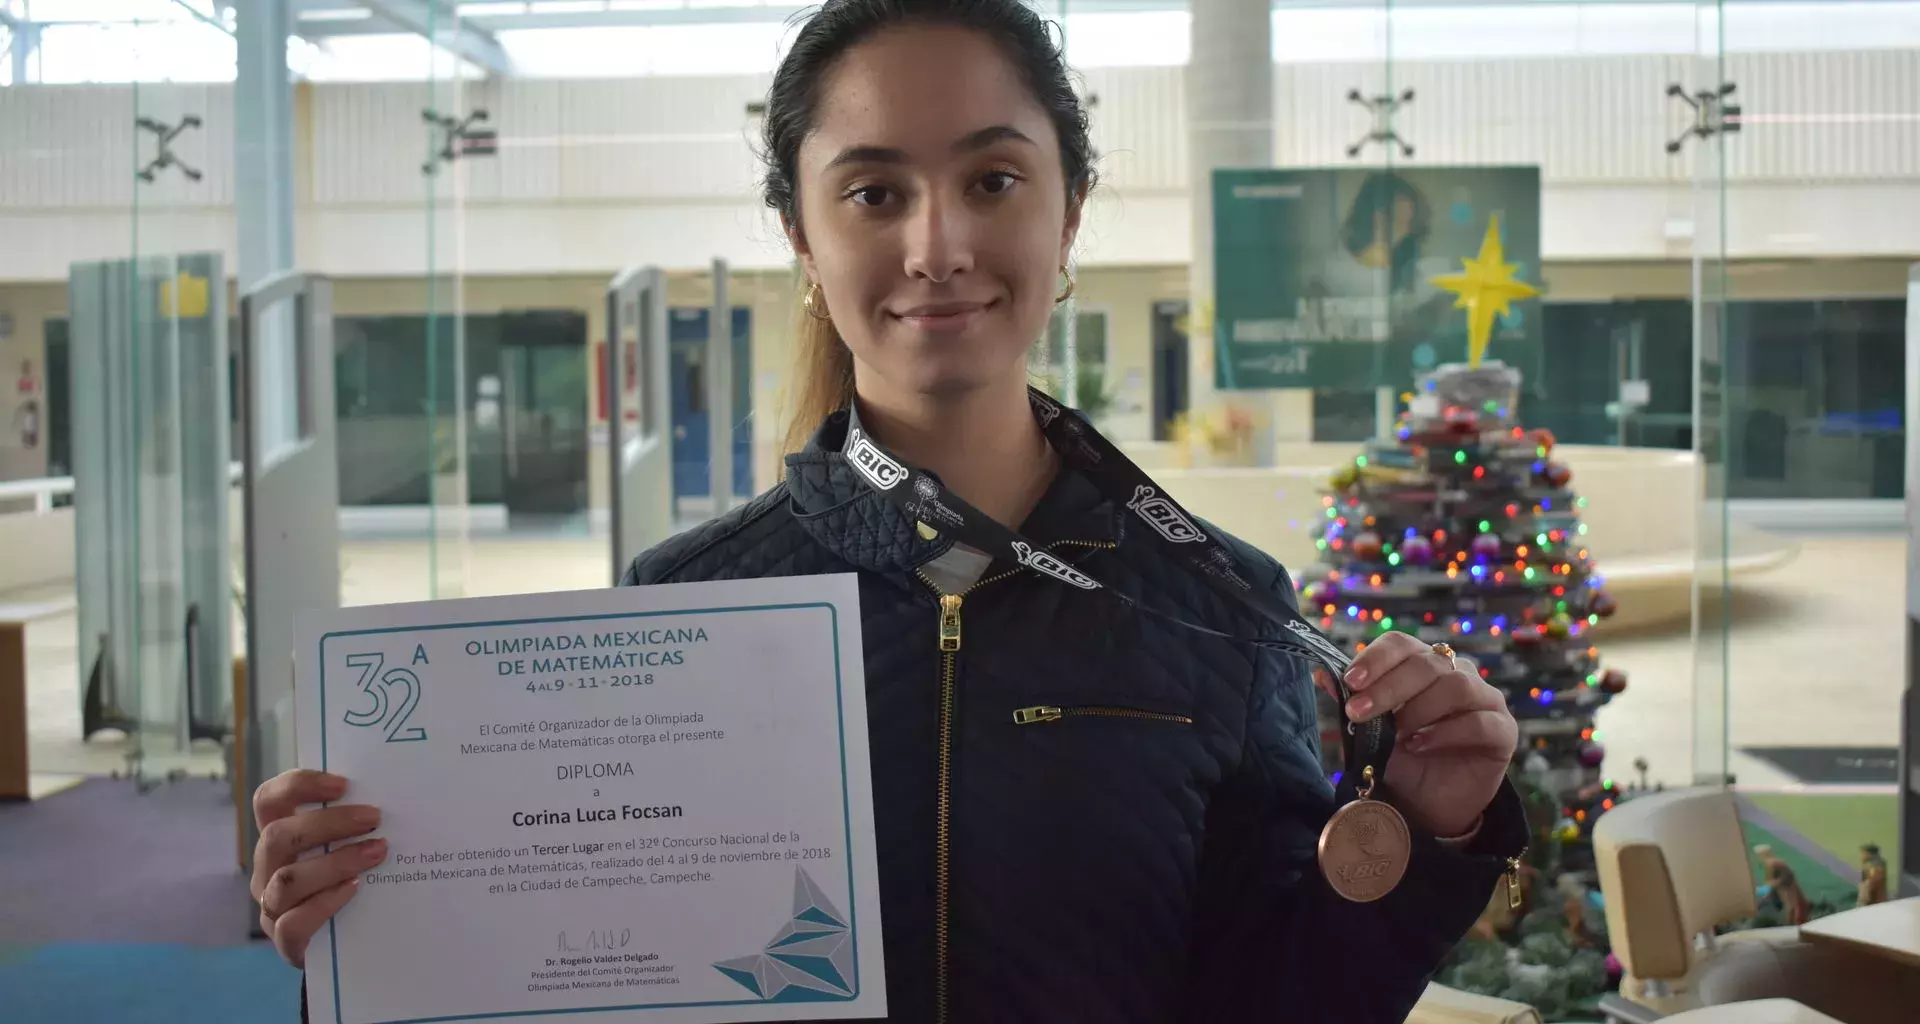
(1070, 228)
(797, 237)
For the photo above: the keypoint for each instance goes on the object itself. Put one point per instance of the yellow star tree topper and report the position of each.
(1486, 289)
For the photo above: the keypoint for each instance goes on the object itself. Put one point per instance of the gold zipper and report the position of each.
(949, 623)
(1050, 713)
(943, 827)
(949, 641)
(1513, 880)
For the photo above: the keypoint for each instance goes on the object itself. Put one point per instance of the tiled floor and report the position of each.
(1815, 654)
(1815, 657)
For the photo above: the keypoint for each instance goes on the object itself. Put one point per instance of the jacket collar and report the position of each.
(835, 505)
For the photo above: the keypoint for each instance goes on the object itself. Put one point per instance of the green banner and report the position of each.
(1325, 278)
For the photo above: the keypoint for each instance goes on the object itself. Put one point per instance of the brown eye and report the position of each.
(997, 183)
(869, 195)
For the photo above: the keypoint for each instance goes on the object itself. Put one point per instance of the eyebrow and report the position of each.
(969, 143)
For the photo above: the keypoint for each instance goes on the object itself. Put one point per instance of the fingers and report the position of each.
(1487, 730)
(1454, 691)
(283, 841)
(1389, 684)
(1381, 657)
(297, 882)
(288, 791)
(294, 930)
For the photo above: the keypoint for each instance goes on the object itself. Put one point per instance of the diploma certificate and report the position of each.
(636, 804)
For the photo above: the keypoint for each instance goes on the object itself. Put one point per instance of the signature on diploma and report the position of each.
(597, 939)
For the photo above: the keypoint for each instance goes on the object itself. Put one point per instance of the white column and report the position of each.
(1229, 124)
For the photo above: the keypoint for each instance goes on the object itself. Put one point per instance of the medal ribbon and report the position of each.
(1084, 450)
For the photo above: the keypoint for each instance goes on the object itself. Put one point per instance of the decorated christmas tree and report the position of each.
(1462, 528)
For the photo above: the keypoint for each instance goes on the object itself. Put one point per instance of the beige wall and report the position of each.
(1751, 279)
(27, 306)
(1126, 295)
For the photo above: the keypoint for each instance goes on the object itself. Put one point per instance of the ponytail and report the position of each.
(822, 380)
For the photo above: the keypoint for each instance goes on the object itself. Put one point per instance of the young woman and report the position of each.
(1085, 812)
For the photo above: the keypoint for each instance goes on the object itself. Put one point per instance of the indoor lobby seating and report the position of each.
(1673, 870)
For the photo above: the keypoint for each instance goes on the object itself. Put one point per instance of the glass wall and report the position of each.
(1715, 201)
(1799, 412)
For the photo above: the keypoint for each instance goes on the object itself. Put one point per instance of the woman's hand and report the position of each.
(1454, 735)
(297, 896)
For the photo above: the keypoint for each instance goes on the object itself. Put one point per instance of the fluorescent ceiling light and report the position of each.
(483, 10)
(337, 14)
(645, 5)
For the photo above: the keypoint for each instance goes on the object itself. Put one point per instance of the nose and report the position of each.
(939, 239)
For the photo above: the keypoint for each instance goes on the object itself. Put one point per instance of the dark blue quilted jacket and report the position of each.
(1152, 863)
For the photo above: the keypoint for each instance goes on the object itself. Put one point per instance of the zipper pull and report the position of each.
(949, 623)
(1042, 713)
(1513, 883)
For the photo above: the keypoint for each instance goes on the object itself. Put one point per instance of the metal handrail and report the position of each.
(41, 490)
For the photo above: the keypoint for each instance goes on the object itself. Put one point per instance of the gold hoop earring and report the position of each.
(1068, 293)
(813, 303)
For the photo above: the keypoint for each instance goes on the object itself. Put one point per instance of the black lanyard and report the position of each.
(1084, 450)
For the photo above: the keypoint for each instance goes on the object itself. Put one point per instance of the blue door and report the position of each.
(692, 433)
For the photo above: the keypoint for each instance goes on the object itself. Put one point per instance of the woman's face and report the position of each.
(933, 211)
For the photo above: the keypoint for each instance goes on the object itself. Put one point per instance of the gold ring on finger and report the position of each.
(1446, 651)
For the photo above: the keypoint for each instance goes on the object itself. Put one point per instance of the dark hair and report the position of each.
(823, 380)
(1377, 196)
(839, 25)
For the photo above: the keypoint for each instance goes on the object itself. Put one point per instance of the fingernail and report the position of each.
(373, 850)
(1357, 676)
(1415, 741)
(1360, 707)
(335, 784)
(366, 817)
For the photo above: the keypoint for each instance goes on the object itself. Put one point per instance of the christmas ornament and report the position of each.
(1367, 546)
(1463, 422)
(1591, 754)
(1603, 605)
(1486, 288)
(1418, 550)
(1345, 477)
(1487, 545)
(1613, 681)
(1557, 474)
(1559, 626)
(1543, 440)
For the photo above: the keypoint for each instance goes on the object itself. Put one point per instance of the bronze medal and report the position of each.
(1365, 848)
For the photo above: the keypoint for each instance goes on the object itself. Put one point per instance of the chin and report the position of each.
(948, 382)
(950, 367)
(947, 375)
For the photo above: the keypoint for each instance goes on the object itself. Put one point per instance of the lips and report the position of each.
(943, 316)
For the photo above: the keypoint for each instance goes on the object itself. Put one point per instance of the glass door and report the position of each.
(542, 419)
(1803, 122)
(1703, 144)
